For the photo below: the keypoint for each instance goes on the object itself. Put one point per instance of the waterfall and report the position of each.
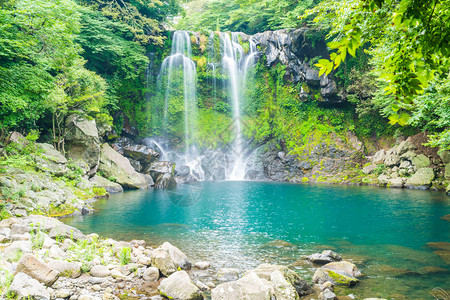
(180, 65)
(227, 67)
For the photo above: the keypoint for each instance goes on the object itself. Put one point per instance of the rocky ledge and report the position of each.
(42, 258)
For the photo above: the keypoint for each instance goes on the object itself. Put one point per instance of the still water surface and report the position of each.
(242, 224)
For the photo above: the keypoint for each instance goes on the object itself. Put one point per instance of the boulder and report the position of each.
(421, 179)
(16, 249)
(112, 164)
(379, 157)
(82, 142)
(283, 289)
(392, 159)
(109, 186)
(158, 168)
(179, 258)
(447, 171)
(37, 269)
(161, 259)
(325, 257)
(264, 271)
(202, 265)
(65, 231)
(65, 268)
(369, 169)
(25, 287)
(165, 181)
(404, 147)
(51, 160)
(100, 271)
(396, 182)
(342, 273)
(249, 287)
(445, 156)
(327, 295)
(151, 274)
(179, 286)
(420, 161)
(227, 274)
(141, 153)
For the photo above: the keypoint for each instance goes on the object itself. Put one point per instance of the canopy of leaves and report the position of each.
(249, 16)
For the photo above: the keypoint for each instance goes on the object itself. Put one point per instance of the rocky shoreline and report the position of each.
(42, 258)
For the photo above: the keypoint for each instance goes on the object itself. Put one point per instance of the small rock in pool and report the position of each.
(202, 265)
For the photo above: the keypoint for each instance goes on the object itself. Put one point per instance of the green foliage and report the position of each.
(124, 255)
(248, 16)
(379, 169)
(37, 239)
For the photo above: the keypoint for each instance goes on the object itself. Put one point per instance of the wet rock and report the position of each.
(141, 153)
(440, 246)
(151, 274)
(25, 287)
(325, 257)
(433, 270)
(283, 289)
(179, 286)
(165, 181)
(203, 287)
(109, 186)
(100, 271)
(37, 269)
(327, 295)
(82, 142)
(178, 257)
(161, 259)
(158, 168)
(248, 287)
(421, 179)
(113, 164)
(202, 265)
(51, 160)
(227, 274)
(264, 271)
(342, 273)
(446, 217)
(444, 255)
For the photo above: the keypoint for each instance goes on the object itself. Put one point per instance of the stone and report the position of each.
(100, 271)
(369, 169)
(392, 159)
(109, 296)
(404, 147)
(19, 228)
(16, 249)
(202, 265)
(420, 161)
(141, 153)
(445, 156)
(327, 295)
(165, 181)
(227, 274)
(447, 171)
(334, 276)
(65, 231)
(51, 160)
(26, 287)
(7, 223)
(65, 268)
(345, 267)
(63, 293)
(178, 257)
(283, 289)
(325, 257)
(379, 157)
(396, 182)
(161, 259)
(109, 186)
(421, 179)
(383, 180)
(179, 286)
(117, 274)
(440, 246)
(249, 287)
(203, 287)
(37, 269)
(158, 168)
(113, 164)
(151, 274)
(81, 139)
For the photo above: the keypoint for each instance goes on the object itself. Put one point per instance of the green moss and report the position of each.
(342, 279)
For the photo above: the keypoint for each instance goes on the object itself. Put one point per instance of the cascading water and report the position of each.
(180, 63)
(226, 60)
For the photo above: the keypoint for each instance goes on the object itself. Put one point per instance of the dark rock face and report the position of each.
(294, 49)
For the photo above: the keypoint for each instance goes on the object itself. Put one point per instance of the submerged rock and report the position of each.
(179, 286)
(227, 274)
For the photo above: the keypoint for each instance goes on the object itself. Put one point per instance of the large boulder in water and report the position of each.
(81, 141)
(179, 286)
(158, 168)
(325, 257)
(165, 181)
(341, 273)
(112, 164)
(162, 260)
(421, 179)
(51, 160)
(178, 257)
